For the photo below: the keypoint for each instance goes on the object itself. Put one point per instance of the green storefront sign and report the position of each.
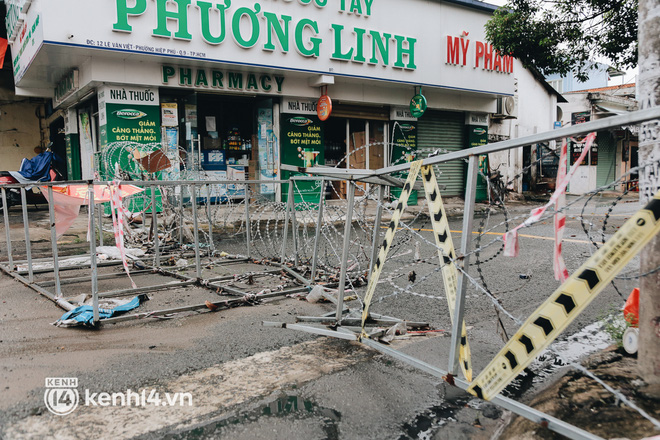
(302, 146)
(73, 156)
(478, 136)
(130, 128)
(137, 124)
(404, 150)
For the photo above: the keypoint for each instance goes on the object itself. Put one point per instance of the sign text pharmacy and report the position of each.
(217, 79)
(254, 26)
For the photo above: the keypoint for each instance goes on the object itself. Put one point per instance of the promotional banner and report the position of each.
(86, 145)
(129, 119)
(302, 146)
(268, 154)
(169, 114)
(477, 137)
(404, 149)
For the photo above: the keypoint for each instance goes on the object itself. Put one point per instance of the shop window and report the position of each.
(357, 150)
(227, 124)
(376, 144)
(355, 143)
(335, 142)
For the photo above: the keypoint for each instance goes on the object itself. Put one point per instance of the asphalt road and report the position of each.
(244, 380)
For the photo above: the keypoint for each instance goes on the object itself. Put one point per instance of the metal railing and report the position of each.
(379, 178)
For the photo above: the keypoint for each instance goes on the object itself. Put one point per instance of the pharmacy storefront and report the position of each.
(232, 90)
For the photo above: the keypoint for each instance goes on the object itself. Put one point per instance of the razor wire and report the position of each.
(178, 217)
(267, 239)
(268, 220)
(519, 321)
(496, 302)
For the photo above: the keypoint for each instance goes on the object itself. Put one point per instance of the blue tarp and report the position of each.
(37, 169)
(84, 315)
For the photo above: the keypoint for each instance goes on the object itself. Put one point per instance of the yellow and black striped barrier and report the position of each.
(447, 256)
(387, 242)
(446, 252)
(565, 304)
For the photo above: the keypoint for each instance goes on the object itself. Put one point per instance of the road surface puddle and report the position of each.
(282, 406)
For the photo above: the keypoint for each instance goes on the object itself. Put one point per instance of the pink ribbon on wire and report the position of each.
(558, 263)
(511, 246)
(118, 211)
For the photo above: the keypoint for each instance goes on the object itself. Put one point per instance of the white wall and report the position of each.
(537, 110)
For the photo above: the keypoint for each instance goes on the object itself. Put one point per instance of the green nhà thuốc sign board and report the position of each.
(302, 146)
(130, 127)
(139, 124)
(404, 150)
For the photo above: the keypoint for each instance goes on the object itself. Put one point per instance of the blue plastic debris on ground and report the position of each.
(84, 315)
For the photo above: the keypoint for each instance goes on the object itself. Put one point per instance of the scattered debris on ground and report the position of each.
(581, 401)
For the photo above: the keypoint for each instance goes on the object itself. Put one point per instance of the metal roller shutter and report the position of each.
(446, 131)
(606, 169)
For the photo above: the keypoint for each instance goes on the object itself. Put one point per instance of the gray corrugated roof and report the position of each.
(475, 4)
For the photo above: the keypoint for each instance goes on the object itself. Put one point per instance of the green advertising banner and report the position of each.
(129, 119)
(302, 146)
(72, 156)
(129, 130)
(478, 136)
(404, 150)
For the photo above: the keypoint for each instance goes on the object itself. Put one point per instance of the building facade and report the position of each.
(232, 89)
(536, 109)
(614, 153)
(598, 75)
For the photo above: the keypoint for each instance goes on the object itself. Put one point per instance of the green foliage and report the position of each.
(615, 325)
(561, 36)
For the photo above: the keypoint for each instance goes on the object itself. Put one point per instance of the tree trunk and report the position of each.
(648, 94)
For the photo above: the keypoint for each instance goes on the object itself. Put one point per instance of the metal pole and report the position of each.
(247, 218)
(59, 301)
(5, 211)
(92, 253)
(529, 413)
(181, 216)
(76, 280)
(100, 224)
(294, 227)
(344, 254)
(157, 287)
(227, 303)
(375, 241)
(28, 244)
(317, 233)
(313, 330)
(466, 237)
(53, 241)
(285, 233)
(154, 226)
(208, 215)
(198, 266)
